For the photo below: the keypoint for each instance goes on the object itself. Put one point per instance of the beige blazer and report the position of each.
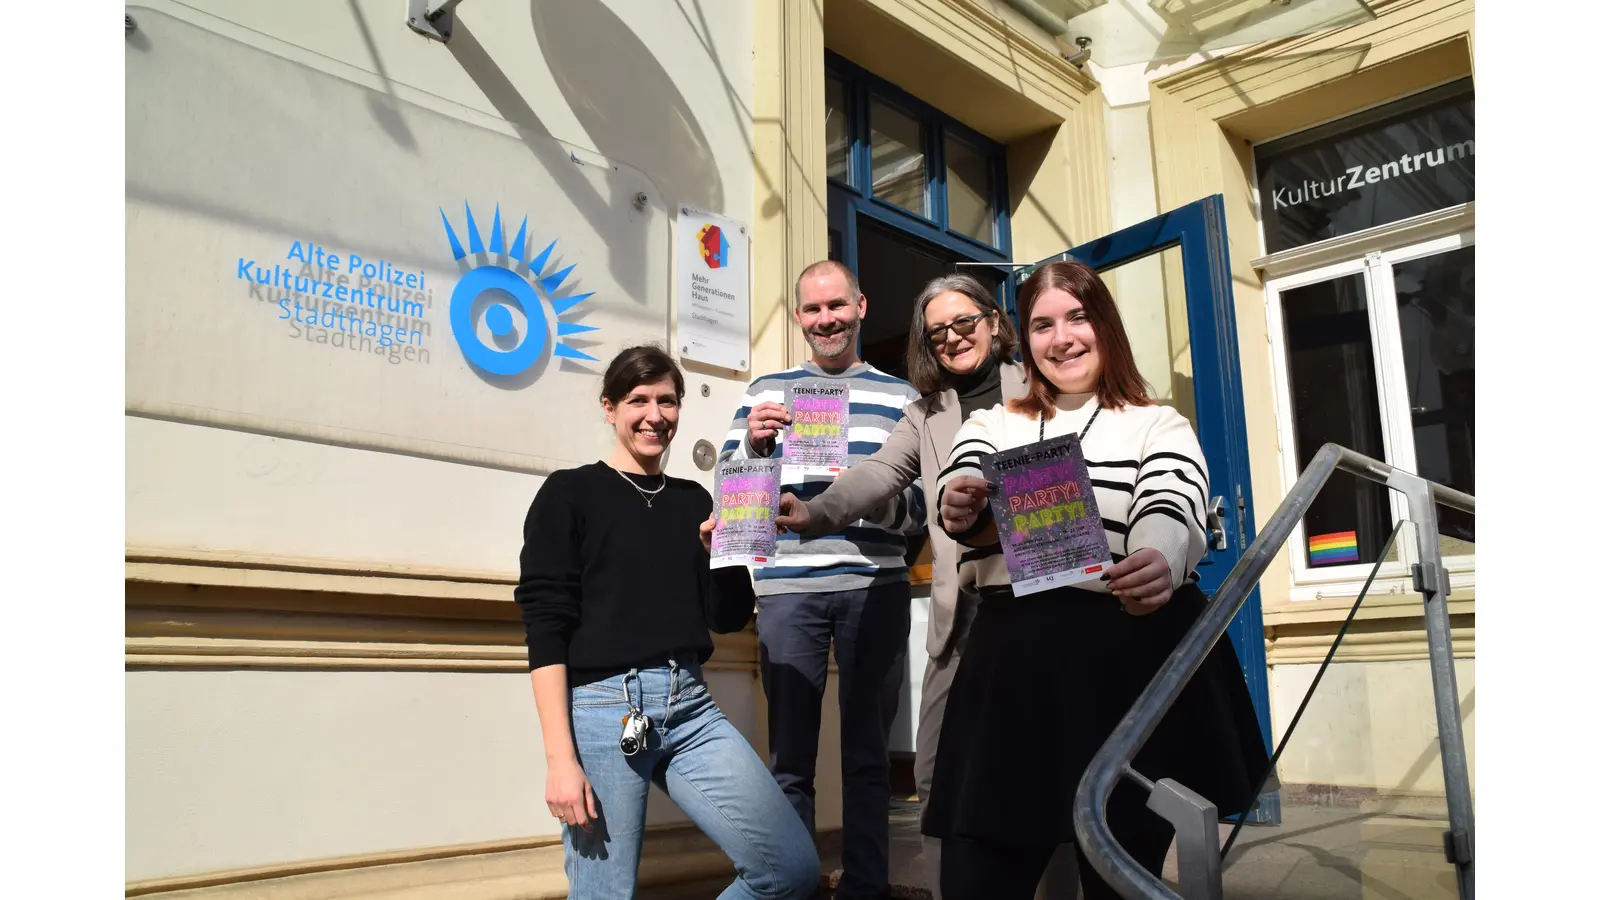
(919, 446)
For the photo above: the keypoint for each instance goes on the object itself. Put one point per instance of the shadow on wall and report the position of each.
(626, 101)
(1429, 758)
(1024, 158)
(1182, 398)
(385, 107)
(740, 109)
(476, 62)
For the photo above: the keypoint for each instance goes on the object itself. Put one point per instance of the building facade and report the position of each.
(331, 442)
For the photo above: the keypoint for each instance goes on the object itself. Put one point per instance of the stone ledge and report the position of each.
(672, 855)
(1380, 802)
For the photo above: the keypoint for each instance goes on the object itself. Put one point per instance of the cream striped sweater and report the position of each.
(1150, 481)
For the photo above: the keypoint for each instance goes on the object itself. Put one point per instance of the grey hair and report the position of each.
(922, 366)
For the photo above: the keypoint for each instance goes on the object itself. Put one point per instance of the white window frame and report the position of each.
(1373, 257)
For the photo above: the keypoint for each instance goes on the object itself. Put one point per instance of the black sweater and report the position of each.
(610, 584)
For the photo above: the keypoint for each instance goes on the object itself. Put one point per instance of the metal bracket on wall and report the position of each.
(1430, 579)
(437, 23)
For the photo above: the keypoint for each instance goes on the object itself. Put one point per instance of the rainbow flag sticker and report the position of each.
(1338, 547)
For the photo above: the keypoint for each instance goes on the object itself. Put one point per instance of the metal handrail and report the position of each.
(1199, 863)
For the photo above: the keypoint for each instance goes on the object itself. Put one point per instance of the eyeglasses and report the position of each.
(962, 326)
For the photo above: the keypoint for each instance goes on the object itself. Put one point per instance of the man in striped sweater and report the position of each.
(849, 588)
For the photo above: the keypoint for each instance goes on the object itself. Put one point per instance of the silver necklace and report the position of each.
(649, 496)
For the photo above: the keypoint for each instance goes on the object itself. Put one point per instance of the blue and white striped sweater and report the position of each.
(871, 551)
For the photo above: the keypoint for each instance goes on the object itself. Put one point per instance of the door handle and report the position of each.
(1216, 526)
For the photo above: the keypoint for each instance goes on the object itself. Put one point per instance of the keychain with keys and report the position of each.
(635, 726)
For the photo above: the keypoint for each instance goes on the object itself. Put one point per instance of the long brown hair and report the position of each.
(922, 366)
(1120, 383)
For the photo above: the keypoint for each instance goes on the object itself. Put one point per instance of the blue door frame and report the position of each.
(1201, 232)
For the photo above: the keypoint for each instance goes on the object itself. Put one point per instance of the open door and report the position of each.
(1170, 277)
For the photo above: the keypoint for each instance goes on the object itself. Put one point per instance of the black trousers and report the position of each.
(984, 870)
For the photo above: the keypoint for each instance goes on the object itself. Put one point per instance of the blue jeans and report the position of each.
(694, 754)
(868, 630)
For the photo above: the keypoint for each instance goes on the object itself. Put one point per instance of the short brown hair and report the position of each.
(849, 278)
(1120, 383)
(635, 366)
(922, 365)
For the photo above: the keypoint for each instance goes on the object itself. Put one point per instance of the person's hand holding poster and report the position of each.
(1045, 511)
(817, 441)
(747, 510)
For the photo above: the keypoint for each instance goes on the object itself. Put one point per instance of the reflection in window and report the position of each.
(899, 168)
(1434, 296)
(1400, 160)
(1151, 297)
(837, 130)
(1335, 400)
(893, 270)
(969, 186)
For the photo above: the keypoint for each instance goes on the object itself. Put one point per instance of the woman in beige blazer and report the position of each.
(960, 357)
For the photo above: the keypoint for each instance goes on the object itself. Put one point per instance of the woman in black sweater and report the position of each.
(617, 596)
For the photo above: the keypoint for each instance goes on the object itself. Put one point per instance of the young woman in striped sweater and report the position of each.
(1047, 676)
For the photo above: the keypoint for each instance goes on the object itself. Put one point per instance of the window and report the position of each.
(1377, 354)
(915, 166)
(893, 267)
(837, 127)
(1400, 160)
(912, 194)
(899, 167)
(1333, 387)
(1434, 304)
(969, 187)
(1369, 278)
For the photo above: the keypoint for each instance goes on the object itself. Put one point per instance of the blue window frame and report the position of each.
(895, 191)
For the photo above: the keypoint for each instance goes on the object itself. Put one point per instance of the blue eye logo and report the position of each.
(510, 290)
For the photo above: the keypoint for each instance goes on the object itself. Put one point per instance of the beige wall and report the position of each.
(358, 657)
(791, 227)
(677, 104)
(1203, 120)
(349, 682)
(274, 766)
(269, 766)
(1369, 725)
(1372, 723)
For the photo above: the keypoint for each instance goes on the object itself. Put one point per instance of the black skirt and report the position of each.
(1043, 681)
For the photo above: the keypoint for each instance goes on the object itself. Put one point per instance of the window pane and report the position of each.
(838, 130)
(899, 170)
(969, 183)
(1334, 394)
(1150, 295)
(1401, 160)
(893, 267)
(1434, 296)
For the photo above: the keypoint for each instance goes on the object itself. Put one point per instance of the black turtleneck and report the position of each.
(979, 389)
